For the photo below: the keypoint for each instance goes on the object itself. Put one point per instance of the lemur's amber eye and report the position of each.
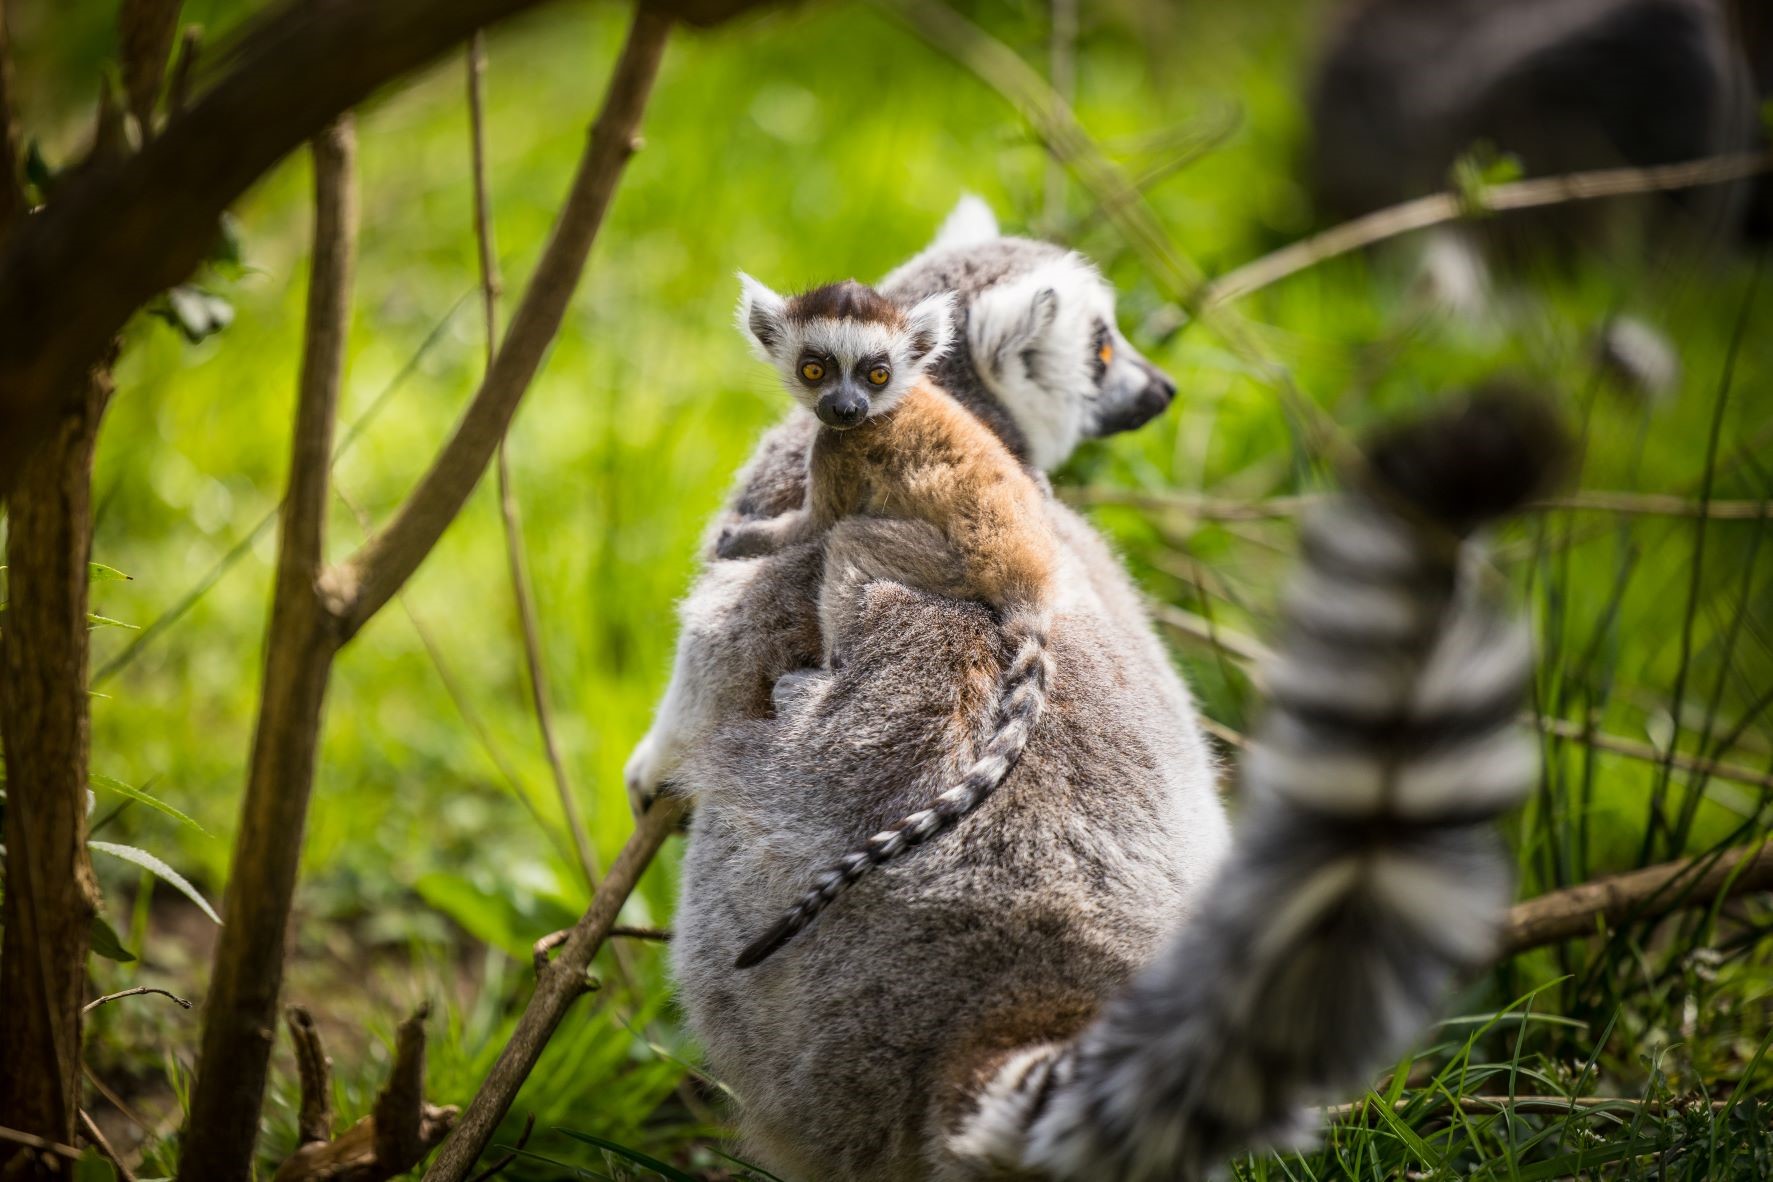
(879, 375)
(1106, 353)
(812, 371)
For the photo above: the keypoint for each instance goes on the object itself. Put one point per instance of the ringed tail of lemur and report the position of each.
(893, 445)
(1364, 874)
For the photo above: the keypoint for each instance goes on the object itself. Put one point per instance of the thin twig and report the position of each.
(1438, 208)
(90, 1130)
(529, 623)
(1252, 652)
(1638, 895)
(1211, 508)
(42, 1145)
(135, 992)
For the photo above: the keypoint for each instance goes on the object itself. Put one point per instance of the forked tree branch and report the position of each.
(559, 984)
(115, 236)
(1650, 893)
(365, 581)
(145, 30)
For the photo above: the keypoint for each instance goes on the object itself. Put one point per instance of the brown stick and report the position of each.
(314, 1070)
(51, 895)
(139, 990)
(1251, 652)
(388, 559)
(1438, 208)
(1210, 508)
(40, 1144)
(1649, 893)
(240, 1012)
(560, 983)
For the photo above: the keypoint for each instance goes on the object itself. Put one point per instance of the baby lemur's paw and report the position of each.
(748, 540)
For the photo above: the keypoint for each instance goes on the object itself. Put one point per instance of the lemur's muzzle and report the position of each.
(843, 407)
(1145, 401)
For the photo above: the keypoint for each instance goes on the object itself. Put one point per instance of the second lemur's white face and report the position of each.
(844, 352)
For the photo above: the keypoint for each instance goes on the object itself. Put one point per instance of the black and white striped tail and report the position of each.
(1364, 874)
(1022, 697)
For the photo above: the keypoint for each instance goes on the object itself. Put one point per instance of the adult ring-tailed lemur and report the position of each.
(1093, 976)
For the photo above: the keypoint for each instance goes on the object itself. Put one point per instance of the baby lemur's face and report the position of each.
(844, 350)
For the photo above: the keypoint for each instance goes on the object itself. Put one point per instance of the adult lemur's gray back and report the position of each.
(1092, 979)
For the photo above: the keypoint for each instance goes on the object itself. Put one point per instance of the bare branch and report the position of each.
(366, 581)
(302, 638)
(559, 985)
(136, 992)
(1252, 652)
(144, 34)
(90, 1130)
(1438, 208)
(1650, 893)
(40, 1144)
(314, 1070)
(1210, 508)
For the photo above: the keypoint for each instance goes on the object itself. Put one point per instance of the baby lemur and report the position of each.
(896, 448)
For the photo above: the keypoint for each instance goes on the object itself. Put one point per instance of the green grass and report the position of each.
(807, 144)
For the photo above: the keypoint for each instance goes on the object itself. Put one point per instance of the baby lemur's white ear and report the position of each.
(1007, 320)
(762, 317)
(930, 324)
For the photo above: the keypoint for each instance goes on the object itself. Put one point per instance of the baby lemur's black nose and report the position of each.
(842, 409)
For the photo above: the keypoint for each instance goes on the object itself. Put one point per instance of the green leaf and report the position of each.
(669, 1173)
(106, 944)
(98, 621)
(98, 572)
(93, 1167)
(142, 796)
(159, 869)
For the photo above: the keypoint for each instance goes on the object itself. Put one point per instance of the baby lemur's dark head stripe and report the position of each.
(847, 300)
(1364, 875)
(1022, 698)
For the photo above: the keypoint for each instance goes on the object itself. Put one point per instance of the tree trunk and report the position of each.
(51, 895)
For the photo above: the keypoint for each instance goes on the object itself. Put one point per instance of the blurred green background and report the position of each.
(801, 144)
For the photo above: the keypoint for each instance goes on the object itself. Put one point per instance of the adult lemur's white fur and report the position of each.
(896, 450)
(1098, 982)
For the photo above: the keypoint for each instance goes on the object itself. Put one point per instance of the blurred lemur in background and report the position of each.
(1093, 976)
(1403, 88)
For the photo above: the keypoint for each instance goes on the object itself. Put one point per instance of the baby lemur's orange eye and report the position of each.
(1106, 353)
(879, 375)
(812, 371)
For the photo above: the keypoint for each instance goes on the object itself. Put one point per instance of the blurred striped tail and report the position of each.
(1022, 698)
(1364, 874)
